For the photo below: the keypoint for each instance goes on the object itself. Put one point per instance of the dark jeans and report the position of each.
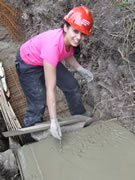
(33, 84)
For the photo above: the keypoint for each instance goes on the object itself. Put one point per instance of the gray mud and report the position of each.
(104, 150)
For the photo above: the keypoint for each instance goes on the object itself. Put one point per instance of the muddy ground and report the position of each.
(109, 53)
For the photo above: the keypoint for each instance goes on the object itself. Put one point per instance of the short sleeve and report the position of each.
(50, 54)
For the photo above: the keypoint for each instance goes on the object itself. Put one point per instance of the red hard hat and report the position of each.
(81, 19)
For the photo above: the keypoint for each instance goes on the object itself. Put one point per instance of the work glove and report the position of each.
(85, 73)
(87, 114)
(55, 129)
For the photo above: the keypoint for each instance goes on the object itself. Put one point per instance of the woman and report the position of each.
(39, 68)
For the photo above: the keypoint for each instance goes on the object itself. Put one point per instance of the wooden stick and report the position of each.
(5, 116)
(44, 126)
(14, 116)
(5, 109)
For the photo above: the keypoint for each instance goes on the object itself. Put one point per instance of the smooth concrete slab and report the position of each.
(102, 151)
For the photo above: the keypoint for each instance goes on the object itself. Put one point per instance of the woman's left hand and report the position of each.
(85, 73)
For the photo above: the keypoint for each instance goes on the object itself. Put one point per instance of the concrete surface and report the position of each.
(104, 151)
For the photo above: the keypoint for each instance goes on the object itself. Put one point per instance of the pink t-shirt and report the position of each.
(48, 46)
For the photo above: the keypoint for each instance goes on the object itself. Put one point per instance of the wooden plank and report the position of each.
(16, 121)
(44, 126)
(8, 112)
(4, 109)
(5, 115)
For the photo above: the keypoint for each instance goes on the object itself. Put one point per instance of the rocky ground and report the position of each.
(109, 53)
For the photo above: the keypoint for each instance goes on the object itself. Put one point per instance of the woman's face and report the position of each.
(72, 37)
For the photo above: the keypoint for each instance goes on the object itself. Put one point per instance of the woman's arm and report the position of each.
(73, 62)
(83, 72)
(50, 82)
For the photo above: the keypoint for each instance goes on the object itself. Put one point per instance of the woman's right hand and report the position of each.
(55, 129)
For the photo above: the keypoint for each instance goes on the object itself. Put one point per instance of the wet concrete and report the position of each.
(104, 150)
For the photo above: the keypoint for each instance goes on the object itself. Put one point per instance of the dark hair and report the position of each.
(65, 22)
(76, 49)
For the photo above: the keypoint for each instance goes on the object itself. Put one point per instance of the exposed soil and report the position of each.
(109, 53)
